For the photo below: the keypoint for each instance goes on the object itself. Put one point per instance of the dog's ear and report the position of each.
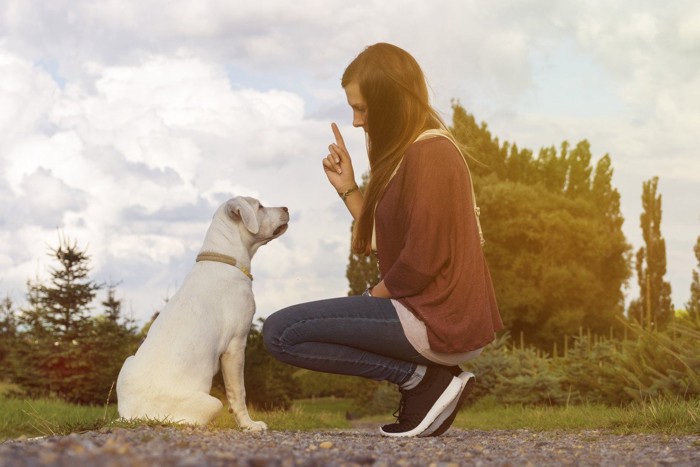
(239, 209)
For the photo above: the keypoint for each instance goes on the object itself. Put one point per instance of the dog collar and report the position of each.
(219, 258)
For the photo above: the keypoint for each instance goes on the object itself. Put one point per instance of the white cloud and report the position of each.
(131, 120)
(136, 163)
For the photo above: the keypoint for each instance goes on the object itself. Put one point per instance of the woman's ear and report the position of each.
(239, 209)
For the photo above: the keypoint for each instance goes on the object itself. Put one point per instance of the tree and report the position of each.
(362, 271)
(63, 350)
(114, 338)
(546, 253)
(579, 170)
(8, 336)
(269, 383)
(693, 305)
(554, 240)
(653, 309)
(62, 307)
(614, 270)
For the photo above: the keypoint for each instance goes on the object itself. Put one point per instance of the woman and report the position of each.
(434, 307)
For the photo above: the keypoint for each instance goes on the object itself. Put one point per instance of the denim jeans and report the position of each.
(360, 336)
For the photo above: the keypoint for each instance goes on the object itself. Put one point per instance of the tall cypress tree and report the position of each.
(614, 269)
(653, 309)
(578, 181)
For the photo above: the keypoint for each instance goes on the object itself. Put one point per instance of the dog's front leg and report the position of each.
(232, 364)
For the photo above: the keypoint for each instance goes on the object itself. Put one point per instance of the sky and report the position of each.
(125, 123)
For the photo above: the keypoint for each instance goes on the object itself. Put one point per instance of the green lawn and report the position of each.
(30, 418)
(660, 416)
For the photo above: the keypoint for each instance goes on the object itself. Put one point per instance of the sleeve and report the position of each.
(431, 201)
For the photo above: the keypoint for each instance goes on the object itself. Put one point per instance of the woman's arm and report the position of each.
(380, 291)
(338, 168)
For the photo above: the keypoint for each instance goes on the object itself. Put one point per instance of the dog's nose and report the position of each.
(284, 208)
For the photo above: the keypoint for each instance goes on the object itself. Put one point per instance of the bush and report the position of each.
(649, 365)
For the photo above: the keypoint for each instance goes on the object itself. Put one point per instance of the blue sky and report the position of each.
(123, 124)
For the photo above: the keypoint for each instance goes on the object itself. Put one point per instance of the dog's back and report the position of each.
(170, 375)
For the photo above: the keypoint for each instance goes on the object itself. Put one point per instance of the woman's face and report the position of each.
(358, 104)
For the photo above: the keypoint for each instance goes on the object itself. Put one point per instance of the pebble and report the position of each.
(169, 446)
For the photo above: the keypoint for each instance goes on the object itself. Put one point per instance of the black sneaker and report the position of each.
(421, 405)
(444, 421)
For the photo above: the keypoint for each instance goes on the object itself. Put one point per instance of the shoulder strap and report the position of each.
(444, 134)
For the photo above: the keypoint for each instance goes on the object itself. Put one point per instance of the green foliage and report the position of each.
(378, 398)
(315, 384)
(269, 383)
(553, 229)
(61, 350)
(548, 255)
(648, 365)
(693, 305)
(653, 309)
(661, 415)
(50, 417)
(8, 336)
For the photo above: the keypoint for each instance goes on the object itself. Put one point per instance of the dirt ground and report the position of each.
(188, 447)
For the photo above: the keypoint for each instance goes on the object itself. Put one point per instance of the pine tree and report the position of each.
(693, 305)
(653, 309)
(63, 306)
(113, 339)
(56, 355)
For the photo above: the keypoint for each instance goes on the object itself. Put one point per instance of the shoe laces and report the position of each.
(398, 413)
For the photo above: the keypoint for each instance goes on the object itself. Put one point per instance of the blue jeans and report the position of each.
(360, 336)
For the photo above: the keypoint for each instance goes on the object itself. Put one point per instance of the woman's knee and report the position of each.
(271, 331)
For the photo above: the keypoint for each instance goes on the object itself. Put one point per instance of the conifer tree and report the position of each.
(63, 350)
(63, 306)
(693, 305)
(54, 357)
(653, 309)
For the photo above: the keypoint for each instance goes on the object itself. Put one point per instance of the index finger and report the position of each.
(338, 137)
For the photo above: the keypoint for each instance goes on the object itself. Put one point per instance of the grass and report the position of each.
(30, 418)
(305, 415)
(43, 417)
(655, 416)
(47, 417)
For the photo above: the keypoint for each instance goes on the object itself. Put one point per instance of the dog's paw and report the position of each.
(255, 426)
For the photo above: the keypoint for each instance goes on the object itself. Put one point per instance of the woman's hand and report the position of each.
(338, 165)
(380, 291)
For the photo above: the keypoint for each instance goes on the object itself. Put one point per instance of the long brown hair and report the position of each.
(398, 110)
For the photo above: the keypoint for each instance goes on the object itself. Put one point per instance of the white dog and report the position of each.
(206, 322)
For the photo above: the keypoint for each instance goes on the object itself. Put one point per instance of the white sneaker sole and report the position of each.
(464, 377)
(450, 394)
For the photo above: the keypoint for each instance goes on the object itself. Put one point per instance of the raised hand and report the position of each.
(338, 165)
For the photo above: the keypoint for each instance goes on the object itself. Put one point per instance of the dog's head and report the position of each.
(257, 223)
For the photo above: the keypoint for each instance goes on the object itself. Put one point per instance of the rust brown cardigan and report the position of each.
(429, 249)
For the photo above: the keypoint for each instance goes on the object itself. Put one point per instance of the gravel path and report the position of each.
(151, 447)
